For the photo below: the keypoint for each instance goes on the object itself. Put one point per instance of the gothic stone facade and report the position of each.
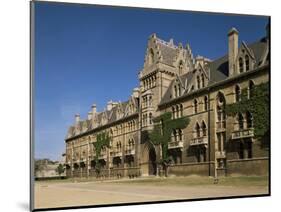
(173, 80)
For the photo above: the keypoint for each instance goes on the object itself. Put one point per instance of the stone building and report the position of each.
(172, 80)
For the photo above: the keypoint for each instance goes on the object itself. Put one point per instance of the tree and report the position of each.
(60, 169)
(161, 135)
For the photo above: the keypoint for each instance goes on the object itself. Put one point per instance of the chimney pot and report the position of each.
(77, 118)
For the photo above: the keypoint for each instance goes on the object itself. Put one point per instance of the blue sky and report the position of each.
(90, 54)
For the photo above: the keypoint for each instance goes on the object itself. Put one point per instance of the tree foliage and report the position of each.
(60, 169)
(163, 128)
(257, 105)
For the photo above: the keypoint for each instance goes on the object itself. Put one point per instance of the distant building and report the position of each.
(46, 168)
(199, 88)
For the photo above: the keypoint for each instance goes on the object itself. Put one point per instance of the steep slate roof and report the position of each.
(219, 68)
(112, 117)
(168, 51)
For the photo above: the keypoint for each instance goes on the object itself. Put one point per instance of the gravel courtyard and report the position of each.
(65, 193)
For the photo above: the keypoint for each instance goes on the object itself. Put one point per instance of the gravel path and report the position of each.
(95, 193)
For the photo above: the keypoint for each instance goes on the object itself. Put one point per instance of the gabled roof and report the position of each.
(185, 78)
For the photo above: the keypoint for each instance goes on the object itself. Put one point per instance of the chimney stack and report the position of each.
(232, 50)
(136, 93)
(109, 105)
(89, 115)
(77, 118)
(94, 109)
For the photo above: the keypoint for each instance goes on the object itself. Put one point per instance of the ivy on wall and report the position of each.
(163, 128)
(257, 105)
(103, 140)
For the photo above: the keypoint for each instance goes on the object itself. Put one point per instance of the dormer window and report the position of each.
(198, 82)
(203, 80)
(247, 63)
(176, 91)
(241, 68)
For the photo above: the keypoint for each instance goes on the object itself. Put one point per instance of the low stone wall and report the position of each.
(253, 166)
(113, 173)
(191, 169)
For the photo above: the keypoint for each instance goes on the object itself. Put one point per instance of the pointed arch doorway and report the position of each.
(148, 160)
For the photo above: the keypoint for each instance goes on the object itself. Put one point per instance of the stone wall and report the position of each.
(192, 169)
(254, 166)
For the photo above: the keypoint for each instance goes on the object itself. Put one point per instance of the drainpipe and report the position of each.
(209, 132)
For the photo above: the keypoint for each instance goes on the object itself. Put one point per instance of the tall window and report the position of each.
(180, 67)
(195, 106)
(150, 118)
(249, 119)
(197, 130)
(247, 63)
(173, 113)
(237, 93)
(181, 110)
(177, 111)
(180, 134)
(203, 80)
(241, 68)
(251, 89)
(204, 128)
(205, 103)
(198, 82)
(240, 121)
(176, 91)
(175, 135)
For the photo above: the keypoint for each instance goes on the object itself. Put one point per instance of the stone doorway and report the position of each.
(148, 163)
(152, 162)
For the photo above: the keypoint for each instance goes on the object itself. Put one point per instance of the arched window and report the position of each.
(198, 82)
(151, 57)
(205, 103)
(150, 100)
(249, 119)
(197, 130)
(178, 112)
(181, 110)
(173, 112)
(203, 80)
(175, 135)
(176, 91)
(180, 134)
(180, 67)
(247, 63)
(150, 118)
(237, 93)
(240, 121)
(204, 128)
(195, 106)
(179, 90)
(241, 68)
(251, 89)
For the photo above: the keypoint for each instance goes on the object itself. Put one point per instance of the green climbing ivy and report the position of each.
(257, 105)
(103, 140)
(161, 134)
